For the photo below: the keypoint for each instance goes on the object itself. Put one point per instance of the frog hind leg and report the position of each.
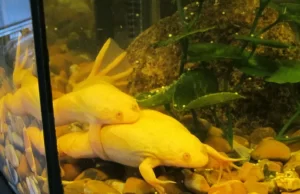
(111, 65)
(146, 170)
(224, 162)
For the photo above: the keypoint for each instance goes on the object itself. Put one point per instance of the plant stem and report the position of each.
(268, 27)
(255, 22)
(252, 51)
(181, 14)
(289, 139)
(184, 46)
(288, 123)
(229, 134)
(168, 109)
(196, 18)
(215, 117)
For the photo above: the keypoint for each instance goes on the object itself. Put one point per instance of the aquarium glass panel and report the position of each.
(176, 96)
(22, 160)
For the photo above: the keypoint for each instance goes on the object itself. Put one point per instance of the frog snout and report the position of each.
(135, 108)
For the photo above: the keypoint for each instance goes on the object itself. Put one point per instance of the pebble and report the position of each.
(32, 185)
(94, 186)
(257, 187)
(272, 165)
(137, 186)
(260, 133)
(230, 187)
(23, 169)
(271, 149)
(17, 141)
(93, 174)
(12, 173)
(171, 188)
(293, 163)
(116, 184)
(11, 155)
(195, 182)
(71, 171)
(288, 181)
(250, 172)
(219, 143)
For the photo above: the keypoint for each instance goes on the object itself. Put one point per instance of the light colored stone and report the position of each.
(258, 187)
(137, 186)
(230, 187)
(271, 149)
(195, 182)
(250, 172)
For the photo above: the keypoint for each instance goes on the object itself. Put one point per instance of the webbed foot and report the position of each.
(111, 66)
(146, 170)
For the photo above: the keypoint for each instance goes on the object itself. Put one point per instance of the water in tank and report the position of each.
(169, 96)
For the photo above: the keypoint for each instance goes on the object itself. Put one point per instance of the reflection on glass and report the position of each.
(20, 116)
(161, 96)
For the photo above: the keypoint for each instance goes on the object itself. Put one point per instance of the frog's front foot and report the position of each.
(223, 161)
(146, 170)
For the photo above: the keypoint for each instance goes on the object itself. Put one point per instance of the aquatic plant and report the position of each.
(197, 88)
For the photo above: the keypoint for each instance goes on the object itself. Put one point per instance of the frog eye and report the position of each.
(186, 156)
(119, 116)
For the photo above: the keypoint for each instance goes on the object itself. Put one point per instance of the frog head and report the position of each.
(187, 152)
(193, 153)
(112, 106)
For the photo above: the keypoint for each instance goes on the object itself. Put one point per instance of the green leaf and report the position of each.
(156, 97)
(193, 84)
(288, 72)
(212, 51)
(290, 18)
(263, 3)
(259, 41)
(213, 99)
(293, 8)
(288, 12)
(179, 37)
(255, 65)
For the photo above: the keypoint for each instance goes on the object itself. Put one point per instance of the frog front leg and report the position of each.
(146, 170)
(224, 162)
(75, 145)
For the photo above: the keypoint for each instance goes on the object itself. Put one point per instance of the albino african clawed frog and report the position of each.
(154, 140)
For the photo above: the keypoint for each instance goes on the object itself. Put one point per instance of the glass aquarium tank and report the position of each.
(156, 96)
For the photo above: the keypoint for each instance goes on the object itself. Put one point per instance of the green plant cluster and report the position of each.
(198, 88)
